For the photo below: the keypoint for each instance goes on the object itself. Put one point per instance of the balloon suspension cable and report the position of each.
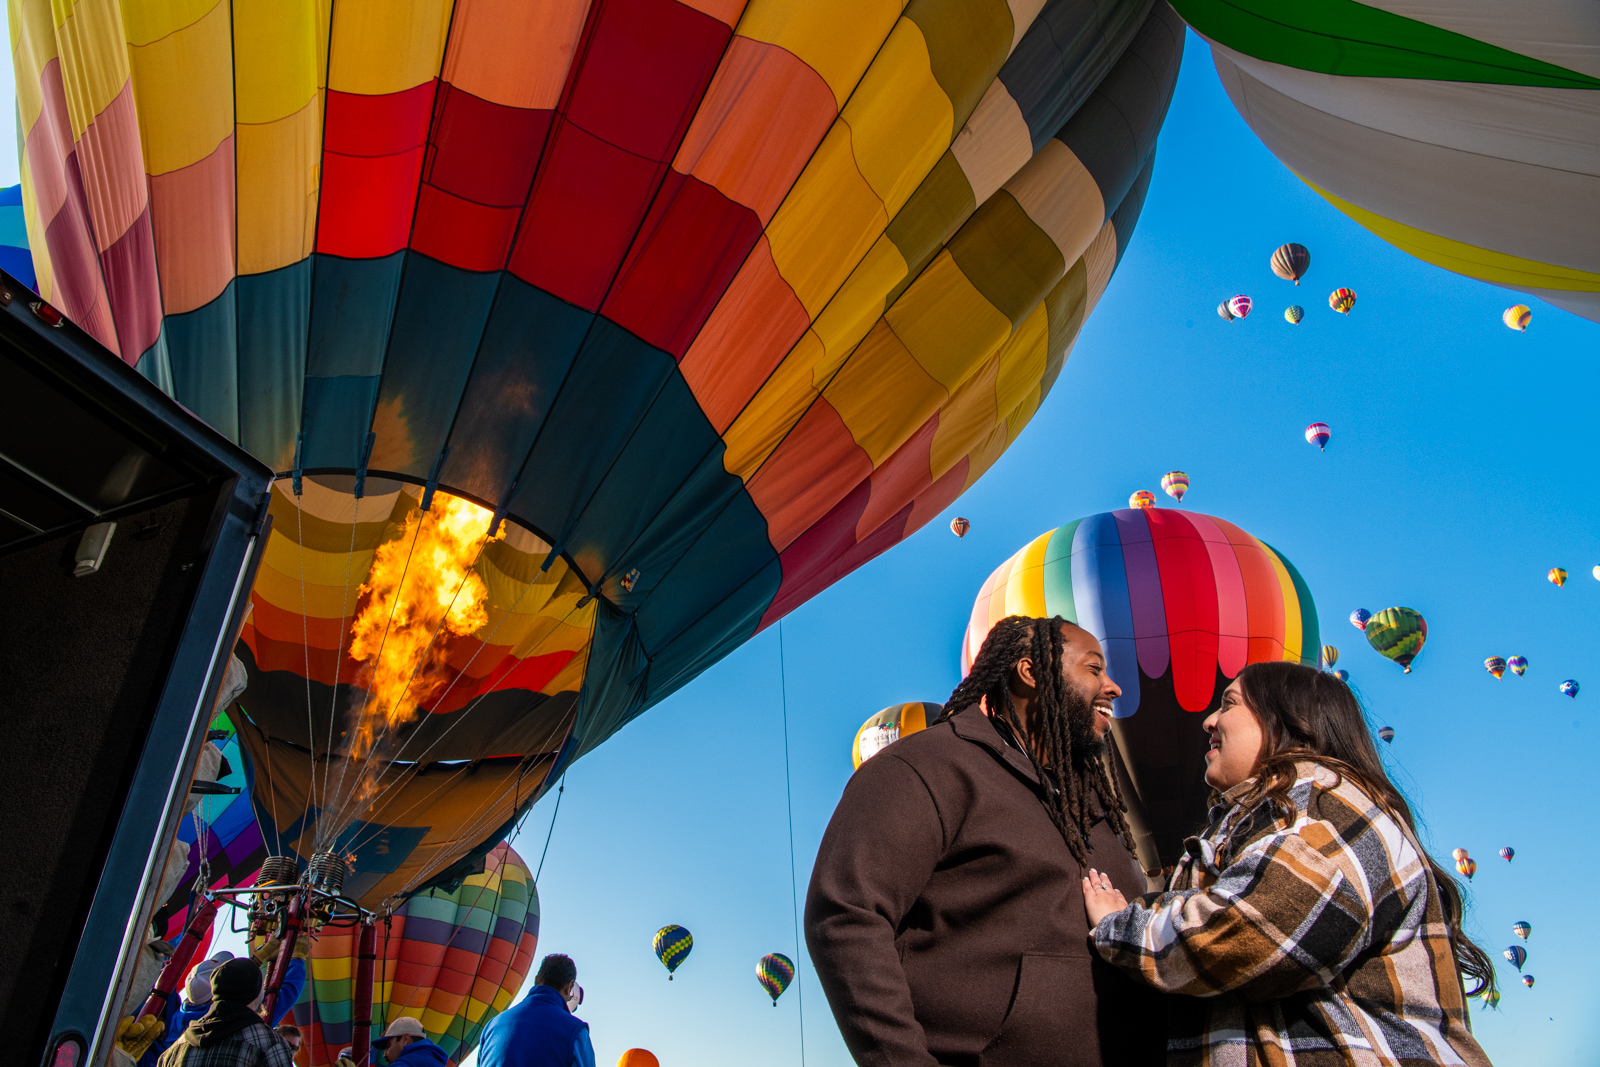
(321, 840)
(305, 645)
(561, 789)
(794, 885)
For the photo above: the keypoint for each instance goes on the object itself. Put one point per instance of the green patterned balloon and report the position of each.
(1398, 633)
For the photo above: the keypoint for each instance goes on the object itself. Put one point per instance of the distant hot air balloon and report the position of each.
(1570, 687)
(1518, 665)
(1458, 854)
(1596, 572)
(1522, 929)
(1240, 306)
(1330, 655)
(1490, 998)
(1343, 676)
(1359, 617)
(1495, 666)
(1176, 483)
(1387, 733)
(1342, 300)
(775, 972)
(1225, 311)
(1527, 980)
(1144, 498)
(1508, 853)
(959, 527)
(1291, 261)
(1516, 955)
(1294, 313)
(1467, 866)
(672, 945)
(638, 1057)
(1318, 433)
(1397, 633)
(1557, 576)
(889, 726)
(1517, 316)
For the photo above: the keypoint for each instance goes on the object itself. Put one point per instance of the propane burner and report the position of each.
(278, 870)
(326, 872)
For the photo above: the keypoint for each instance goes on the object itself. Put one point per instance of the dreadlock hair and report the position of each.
(1016, 638)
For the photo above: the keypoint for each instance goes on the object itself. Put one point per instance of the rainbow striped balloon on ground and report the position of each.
(451, 959)
(1460, 132)
(1181, 602)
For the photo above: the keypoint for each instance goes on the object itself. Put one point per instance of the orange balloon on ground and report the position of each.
(638, 1057)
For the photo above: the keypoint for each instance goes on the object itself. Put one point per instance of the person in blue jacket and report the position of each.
(406, 1044)
(540, 1030)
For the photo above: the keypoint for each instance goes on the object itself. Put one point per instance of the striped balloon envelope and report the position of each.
(1342, 300)
(1180, 602)
(775, 971)
(452, 959)
(1176, 484)
(889, 726)
(15, 257)
(710, 301)
(672, 945)
(1460, 132)
(1517, 317)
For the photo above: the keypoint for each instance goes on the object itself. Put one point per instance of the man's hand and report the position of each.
(1100, 898)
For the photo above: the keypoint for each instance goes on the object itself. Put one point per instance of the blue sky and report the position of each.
(1456, 477)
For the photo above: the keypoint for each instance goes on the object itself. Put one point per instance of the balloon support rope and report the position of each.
(794, 890)
(561, 788)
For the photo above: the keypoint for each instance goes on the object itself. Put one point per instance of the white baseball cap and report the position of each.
(405, 1026)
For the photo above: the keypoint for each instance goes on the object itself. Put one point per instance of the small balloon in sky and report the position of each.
(1517, 316)
(1518, 665)
(775, 971)
(1144, 498)
(1527, 980)
(1318, 433)
(1570, 687)
(1240, 306)
(1359, 617)
(1596, 572)
(1467, 866)
(1458, 854)
(1387, 733)
(1397, 634)
(959, 527)
(1225, 311)
(1291, 261)
(1557, 576)
(1342, 300)
(1508, 853)
(1495, 666)
(1176, 483)
(1330, 655)
(1516, 955)
(1343, 676)
(672, 946)
(1522, 929)
(1294, 313)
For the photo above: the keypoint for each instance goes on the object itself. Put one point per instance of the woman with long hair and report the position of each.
(1307, 924)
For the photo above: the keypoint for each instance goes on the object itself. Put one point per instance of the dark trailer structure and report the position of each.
(113, 641)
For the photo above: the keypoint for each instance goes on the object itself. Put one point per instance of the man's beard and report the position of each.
(1079, 712)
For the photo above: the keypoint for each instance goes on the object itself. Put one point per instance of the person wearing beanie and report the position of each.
(195, 1002)
(229, 1034)
(406, 1044)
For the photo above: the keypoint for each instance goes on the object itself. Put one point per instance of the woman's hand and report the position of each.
(1100, 898)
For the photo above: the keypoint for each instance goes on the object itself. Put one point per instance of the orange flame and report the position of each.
(421, 586)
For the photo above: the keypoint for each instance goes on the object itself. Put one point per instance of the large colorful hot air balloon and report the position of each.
(1318, 434)
(1176, 483)
(709, 302)
(959, 527)
(1142, 499)
(1291, 261)
(1458, 132)
(1330, 655)
(889, 726)
(1570, 688)
(672, 945)
(1240, 305)
(1359, 617)
(1181, 602)
(1342, 300)
(453, 959)
(1397, 633)
(1294, 313)
(1516, 955)
(775, 971)
(1386, 733)
(1557, 576)
(1518, 665)
(1517, 317)
(1495, 666)
(1522, 929)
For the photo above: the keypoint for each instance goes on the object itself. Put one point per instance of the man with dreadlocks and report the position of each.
(945, 916)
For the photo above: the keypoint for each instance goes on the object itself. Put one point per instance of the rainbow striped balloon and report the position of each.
(1176, 483)
(1517, 316)
(775, 971)
(1342, 300)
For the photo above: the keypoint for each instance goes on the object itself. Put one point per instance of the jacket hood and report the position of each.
(224, 1019)
(422, 1053)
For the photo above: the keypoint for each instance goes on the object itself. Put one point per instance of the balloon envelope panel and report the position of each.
(1180, 602)
(1456, 132)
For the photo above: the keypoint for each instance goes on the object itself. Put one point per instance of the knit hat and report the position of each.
(236, 980)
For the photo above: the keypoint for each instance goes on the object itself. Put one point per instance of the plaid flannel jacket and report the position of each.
(1321, 943)
(254, 1046)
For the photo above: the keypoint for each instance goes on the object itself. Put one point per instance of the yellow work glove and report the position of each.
(136, 1035)
(302, 947)
(265, 950)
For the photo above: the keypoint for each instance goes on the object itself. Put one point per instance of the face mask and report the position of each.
(576, 998)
